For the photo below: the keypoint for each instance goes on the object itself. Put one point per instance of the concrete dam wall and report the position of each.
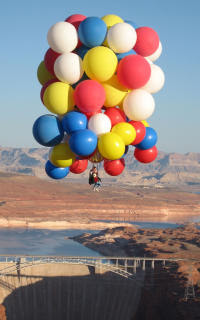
(67, 292)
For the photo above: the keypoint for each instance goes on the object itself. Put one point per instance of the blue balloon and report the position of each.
(81, 51)
(83, 142)
(74, 121)
(92, 32)
(132, 23)
(48, 131)
(120, 56)
(149, 140)
(55, 172)
(84, 77)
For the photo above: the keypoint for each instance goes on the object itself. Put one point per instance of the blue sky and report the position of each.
(23, 29)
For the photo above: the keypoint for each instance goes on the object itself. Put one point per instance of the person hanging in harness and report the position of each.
(94, 179)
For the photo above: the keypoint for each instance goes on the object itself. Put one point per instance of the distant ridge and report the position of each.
(168, 169)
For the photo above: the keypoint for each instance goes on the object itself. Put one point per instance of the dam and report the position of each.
(68, 288)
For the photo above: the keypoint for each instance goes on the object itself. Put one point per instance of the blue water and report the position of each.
(42, 242)
(53, 242)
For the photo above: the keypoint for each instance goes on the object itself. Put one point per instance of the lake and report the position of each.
(53, 242)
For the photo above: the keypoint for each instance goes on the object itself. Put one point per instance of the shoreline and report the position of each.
(58, 224)
(94, 224)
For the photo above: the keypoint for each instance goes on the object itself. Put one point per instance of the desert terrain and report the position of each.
(27, 201)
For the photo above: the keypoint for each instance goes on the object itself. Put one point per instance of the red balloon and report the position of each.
(114, 167)
(76, 19)
(116, 115)
(133, 71)
(146, 156)
(79, 166)
(90, 114)
(140, 131)
(49, 60)
(45, 86)
(147, 41)
(89, 96)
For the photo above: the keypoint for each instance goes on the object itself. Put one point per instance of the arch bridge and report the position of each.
(123, 266)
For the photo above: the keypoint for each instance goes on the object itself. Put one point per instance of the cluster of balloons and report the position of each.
(97, 79)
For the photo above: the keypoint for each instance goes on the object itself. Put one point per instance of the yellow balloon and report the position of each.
(110, 20)
(58, 98)
(126, 131)
(111, 146)
(100, 63)
(115, 92)
(145, 123)
(62, 156)
(43, 74)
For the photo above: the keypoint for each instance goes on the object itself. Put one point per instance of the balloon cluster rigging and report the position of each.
(97, 78)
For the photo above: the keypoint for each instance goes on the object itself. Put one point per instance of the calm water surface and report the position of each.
(42, 242)
(53, 242)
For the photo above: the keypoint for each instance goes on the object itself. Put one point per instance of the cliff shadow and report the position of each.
(91, 297)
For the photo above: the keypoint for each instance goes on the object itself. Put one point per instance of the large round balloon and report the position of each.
(62, 37)
(59, 98)
(146, 156)
(156, 81)
(99, 124)
(68, 68)
(126, 131)
(111, 146)
(43, 74)
(115, 92)
(140, 131)
(83, 142)
(76, 19)
(133, 71)
(114, 167)
(49, 60)
(121, 37)
(147, 41)
(153, 57)
(48, 131)
(138, 105)
(74, 121)
(149, 140)
(111, 19)
(92, 31)
(79, 166)
(55, 172)
(89, 96)
(45, 86)
(100, 63)
(116, 115)
(61, 155)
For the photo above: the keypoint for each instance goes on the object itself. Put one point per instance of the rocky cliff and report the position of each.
(168, 169)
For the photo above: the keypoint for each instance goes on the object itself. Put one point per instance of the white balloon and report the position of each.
(68, 68)
(138, 105)
(153, 57)
(121, 37)
(62, 37)
(156, 81)
(99, 123)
